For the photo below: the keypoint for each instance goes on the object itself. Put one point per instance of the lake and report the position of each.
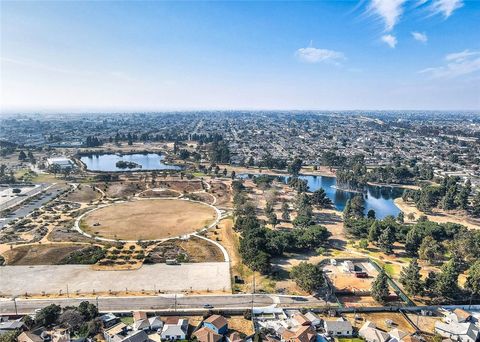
(378, 198)
(107, 162)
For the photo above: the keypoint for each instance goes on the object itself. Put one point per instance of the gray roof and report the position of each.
(136, 336)
(11, 325)
(338, 325)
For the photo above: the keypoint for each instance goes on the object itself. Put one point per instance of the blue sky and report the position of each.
(129, 56)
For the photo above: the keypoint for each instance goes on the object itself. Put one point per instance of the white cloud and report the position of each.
(460, 56)
(389, 40)
(388, 10)
(458, 64)
(445, 7)
(421, 37)
(314, 55)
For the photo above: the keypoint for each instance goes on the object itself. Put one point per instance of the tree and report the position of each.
(48, 315)
(371, 214)
(374, 232)
(319, 198)
(380, 291)
(446, 285)
(355, 207)
(88, 310)
(272, 218)
(10, 336)
(71, 319)
(22, 156)
(386, 240)
(430, 249)
(401, 217)
(411, 280)
(476, 205)
(307, 276)
(285, 212)
(295, 167)
(473, 279)
(448, 202)
(413, 240)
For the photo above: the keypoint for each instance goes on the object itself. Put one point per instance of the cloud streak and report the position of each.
(389, 11)
(314, 55)
(421, 37)
(445, 7)
(390, 40)
(457, 64)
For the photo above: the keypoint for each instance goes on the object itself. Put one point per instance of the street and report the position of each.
(162, 302)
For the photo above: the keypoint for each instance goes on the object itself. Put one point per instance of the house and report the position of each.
(217, 324)
(207, 335)
(135, 336)
(109, 320)
(348, 266)
(175, 328)
(459, 316)
(155, 323)
(60, 335)
(300, 334)
(397, 335)
(234, 337)
(11, 325)
(111, 333)
(339, 327)
(299, 319)
(462, 332)
(28, 336)
(313, 318)
(371, 334)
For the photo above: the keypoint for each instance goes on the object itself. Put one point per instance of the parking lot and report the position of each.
(18, 280)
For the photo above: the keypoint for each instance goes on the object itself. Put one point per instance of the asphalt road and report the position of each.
(163, 302)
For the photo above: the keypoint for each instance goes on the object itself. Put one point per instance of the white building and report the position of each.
(174, 329)
(464, 332)
(62, 162)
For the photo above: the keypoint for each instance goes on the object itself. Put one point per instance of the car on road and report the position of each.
(207, 306)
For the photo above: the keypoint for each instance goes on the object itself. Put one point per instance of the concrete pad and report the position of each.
(18, 280)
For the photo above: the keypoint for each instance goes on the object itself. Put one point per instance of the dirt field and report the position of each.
(49, 254)
(148, 219)
(192, 250)
(380, 319)
(84, 194)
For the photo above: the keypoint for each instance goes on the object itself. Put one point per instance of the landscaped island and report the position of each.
(122, 164)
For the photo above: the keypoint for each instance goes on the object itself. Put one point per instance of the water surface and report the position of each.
(107, 162)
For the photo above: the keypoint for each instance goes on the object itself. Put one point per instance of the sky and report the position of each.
(317, 55)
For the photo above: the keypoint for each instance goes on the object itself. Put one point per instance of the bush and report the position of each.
(86, 256)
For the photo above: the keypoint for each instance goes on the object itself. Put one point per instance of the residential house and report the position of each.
(462, 332)
(205, 334)
(313, 318)
(234, 337)
(459, 316)
(302, 333)
(11, 325)
(111, 333)
(175, 328)
(28, 336)
(109, 320)
(142, 322)
(60, 335)
(121, 333)
(397, 335)
(217, 324)
(371, 333)
(299, 319)
(340, 327)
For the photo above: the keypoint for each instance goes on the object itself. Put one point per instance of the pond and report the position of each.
(379, 198)
(108, 162)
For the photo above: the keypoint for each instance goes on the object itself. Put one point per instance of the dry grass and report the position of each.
(83, 195)
(240, 324)
(148, 219)
(48, 254)
(380, 319)
(199, 250)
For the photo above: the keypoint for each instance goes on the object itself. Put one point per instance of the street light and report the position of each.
(15, 304)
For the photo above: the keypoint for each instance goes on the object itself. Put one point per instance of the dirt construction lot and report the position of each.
(48, 254)
(148, 219)
(17, 280)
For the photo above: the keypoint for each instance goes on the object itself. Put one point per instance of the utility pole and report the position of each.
(175, 302)
(15, 304)
(253, 291)
(98, 308)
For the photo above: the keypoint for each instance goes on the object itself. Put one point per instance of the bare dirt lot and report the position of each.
(48, 254)
(83, 194)
(193, 250)
(148, 219)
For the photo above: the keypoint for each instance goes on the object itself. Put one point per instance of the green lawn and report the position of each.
(126, 320)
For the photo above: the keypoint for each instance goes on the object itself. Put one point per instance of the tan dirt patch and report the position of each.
(148, 219)
(48, 254)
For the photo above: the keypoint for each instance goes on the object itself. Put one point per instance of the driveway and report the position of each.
(18, 280)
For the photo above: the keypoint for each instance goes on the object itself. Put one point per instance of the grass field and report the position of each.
(84, 194)
(48, 254)
(148, 219)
